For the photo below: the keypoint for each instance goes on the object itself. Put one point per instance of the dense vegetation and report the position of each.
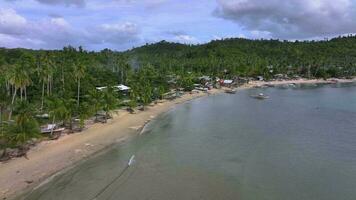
(62, 83)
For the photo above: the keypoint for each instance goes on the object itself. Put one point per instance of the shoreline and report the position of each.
(300, 81)
(49, 158)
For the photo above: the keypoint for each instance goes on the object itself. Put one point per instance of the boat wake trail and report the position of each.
(129, 164)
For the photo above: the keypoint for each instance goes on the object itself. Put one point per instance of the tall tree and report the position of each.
(109, 102)
(79, 72)
(25, 126)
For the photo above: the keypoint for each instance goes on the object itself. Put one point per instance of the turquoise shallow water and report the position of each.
(299, 144)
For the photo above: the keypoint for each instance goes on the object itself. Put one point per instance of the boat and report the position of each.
(131, 161)
(260, 96)
(51, 128)
(230, 91)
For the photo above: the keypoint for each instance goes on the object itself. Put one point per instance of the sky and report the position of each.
(124, 24)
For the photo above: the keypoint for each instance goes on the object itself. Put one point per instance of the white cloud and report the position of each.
(56, 32)
(11, 22)
(78, 3)
(181, 37)
(65, 2)
(291, 19)
(216, 37)
(260, 34)
(186, 39)
(16, 42)
(118, 32)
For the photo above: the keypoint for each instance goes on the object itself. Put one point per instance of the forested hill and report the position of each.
(327, 58)
(335, 57)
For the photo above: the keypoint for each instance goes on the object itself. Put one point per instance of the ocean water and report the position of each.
(298, 144)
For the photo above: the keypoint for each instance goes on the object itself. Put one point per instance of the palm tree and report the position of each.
(15, 77)
(79, 72)
(109, 102)
(85, 111)
(96, 98)
(3, 105)
(24, 68)
(45, 74)
(146, 95)
(25, 126)
(71, 108)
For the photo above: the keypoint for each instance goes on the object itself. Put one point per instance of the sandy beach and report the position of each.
(51, 157)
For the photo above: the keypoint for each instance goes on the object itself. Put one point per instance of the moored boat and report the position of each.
(260, 96)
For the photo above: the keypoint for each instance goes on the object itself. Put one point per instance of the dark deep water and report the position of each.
(299, 144)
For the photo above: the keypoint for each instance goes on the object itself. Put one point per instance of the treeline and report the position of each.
(62, 83)
(321, 59)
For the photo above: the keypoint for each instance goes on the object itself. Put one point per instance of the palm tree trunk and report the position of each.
(21, 91)
(12, 104)
(25, 89)
(47, 86)
(62, 78)
(50, 85)
(78, 92)
(2, 130)
(42, 98)
(8, 88)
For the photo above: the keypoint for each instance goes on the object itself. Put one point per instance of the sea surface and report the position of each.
(300, 144)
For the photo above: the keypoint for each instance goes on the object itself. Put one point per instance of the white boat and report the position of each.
(51, 128)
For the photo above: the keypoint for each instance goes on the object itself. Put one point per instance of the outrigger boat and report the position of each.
(51, 128)
(260, 96)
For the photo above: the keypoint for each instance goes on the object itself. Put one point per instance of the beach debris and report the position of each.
(78, 151)
(136, 128)
(29, 181)
(89, 145)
